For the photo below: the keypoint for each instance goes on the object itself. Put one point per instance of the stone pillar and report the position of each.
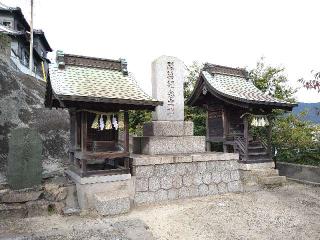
(167, 85)
(168, 133)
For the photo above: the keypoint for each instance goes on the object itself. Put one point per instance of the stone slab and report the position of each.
(97, 179)
(24, 159)
(113, 203)
(20, 196)
(143, 160)
(299, 172)
(168, 128)
(167, 85)
(169, 145)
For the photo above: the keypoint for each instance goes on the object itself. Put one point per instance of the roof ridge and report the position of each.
(225, 70)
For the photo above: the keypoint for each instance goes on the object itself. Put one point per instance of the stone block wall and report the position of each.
(172, 177)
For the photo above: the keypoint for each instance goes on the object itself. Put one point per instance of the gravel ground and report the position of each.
(289, 212)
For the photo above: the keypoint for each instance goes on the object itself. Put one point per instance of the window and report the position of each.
(7, 24)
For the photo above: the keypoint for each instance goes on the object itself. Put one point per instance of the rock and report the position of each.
(113, 203)
(154, 184)
(20, 196)
(72, 205)
(15, 210)
(38, 208)
(55, 193)
(142, 184)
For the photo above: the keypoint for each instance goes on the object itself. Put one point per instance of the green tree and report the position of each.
(292, 137)
(272, 80)
(136, 120)
(194, 114)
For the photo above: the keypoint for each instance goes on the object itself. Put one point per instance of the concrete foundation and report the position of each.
(168, 128)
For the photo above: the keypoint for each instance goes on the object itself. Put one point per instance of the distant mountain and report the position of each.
(313, 108)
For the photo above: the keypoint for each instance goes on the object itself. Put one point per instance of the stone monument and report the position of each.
(168, 133)
(168, 161)
(24, 159)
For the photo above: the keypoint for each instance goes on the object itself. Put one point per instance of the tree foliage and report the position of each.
(136, 120)
(293, 138)
(194, 114)
(313, 83)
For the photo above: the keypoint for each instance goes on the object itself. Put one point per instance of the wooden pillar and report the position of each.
(126, 131)
(246, 136)
(84, 141)
(73, 134)
(83, 131)
(225, 128)
(126, 139)
(208, 144)
(269, 146)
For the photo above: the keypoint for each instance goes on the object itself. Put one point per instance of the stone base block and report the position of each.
(168, 128)
(169, 145)
(87, 187)
(113, 203)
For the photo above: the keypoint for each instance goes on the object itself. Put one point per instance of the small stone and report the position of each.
(222, 187)
(191, 168)
(225, 176)
(235, 186)
(160, 170)
(172, 194)
(183, 192)
(161, 195)
(37, 208)
(206, 178)
(187, 180)
(197, 179)
(203, 190)
(202, 167)
(154, 184)
(181, 168)
(144, 171)
(55, 193)
(141, 184)
(170, 169)
(220, 166)
(194, 191)
(166, 182)
(213, 189)
(211, 166)
(144, 197)
(216, 177)
(177, 181)
(235, 175)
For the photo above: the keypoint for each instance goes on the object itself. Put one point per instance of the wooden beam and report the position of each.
(126, 131)
(225, 127)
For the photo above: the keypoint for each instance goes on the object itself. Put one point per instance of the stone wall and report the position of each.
(161, 178)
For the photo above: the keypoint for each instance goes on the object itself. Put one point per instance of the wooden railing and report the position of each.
(240, 143)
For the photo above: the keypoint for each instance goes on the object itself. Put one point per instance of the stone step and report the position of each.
(272, 180)
(112, 203)
(266, 172)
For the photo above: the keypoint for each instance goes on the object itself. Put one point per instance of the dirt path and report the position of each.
(289, 212)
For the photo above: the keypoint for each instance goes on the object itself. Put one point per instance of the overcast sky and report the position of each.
(227, 32)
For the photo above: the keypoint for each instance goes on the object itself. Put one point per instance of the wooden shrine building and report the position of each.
(98, 94)
(233, 103)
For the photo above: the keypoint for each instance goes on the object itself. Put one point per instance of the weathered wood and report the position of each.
(84, 166)
(73, 134)
(84, 131)
(269, 144)
(126, 131)
(246, 136)
(225, 127)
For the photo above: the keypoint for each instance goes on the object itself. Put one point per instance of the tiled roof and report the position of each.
(238, 88)
(81, 79)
